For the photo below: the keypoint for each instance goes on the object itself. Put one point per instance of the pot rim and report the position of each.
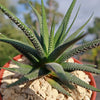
(93, 83)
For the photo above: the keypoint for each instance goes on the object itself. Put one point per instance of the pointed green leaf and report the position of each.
(21, 71)
(19, 82)
(71, 24)
(38, 16)
(79, 82)
(82, 67)
(23, 68)
(51, 38)
(21, 46)
(80, 49)
(25, 29)
(58, 70)
(57, 86)
(62, 28)
(90, 65)
(60, 49)
(31, 76)
(45, 33)
(71, 37)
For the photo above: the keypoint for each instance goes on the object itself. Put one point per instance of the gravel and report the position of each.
(40, 89)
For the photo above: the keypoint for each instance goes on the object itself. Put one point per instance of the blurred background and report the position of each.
(53, 7)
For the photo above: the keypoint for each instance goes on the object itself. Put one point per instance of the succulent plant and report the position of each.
(49, 51)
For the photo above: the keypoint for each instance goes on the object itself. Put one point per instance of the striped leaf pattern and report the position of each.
(82, 67)
(80, 49)
(81, 83)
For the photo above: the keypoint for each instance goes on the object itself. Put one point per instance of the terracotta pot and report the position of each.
(75, 60)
